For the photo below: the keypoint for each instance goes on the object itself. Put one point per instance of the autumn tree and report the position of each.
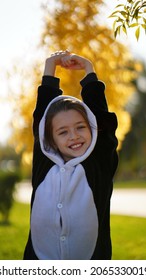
(79, 27)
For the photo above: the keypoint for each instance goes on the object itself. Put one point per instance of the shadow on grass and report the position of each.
(5, 223)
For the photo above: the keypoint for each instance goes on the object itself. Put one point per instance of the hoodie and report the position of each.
(70, 203)
(62, 200)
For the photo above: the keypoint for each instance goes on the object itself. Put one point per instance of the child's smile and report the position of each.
(71, 134)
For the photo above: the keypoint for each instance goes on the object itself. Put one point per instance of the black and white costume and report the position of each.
(70, 213)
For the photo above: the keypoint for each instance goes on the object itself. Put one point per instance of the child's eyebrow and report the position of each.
(64, 127)
(61, 128)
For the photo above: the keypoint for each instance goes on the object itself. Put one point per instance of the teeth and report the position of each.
(76, 146)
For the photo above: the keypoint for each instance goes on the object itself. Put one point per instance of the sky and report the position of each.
(20, 26)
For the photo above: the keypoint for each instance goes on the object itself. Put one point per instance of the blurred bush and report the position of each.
(8, 180)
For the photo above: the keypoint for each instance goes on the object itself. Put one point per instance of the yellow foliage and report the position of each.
(79, 27)
(26, 158)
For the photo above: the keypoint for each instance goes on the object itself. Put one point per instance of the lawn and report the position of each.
(130, 184)
(13, 235)
(128, 235)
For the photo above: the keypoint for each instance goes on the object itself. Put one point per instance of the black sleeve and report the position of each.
(93, 95)
(46, 93)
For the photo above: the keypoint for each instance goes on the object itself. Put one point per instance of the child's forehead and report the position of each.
(67, 118)
(71, 114)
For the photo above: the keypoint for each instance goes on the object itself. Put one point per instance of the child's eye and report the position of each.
(81, 127)
(63, 132)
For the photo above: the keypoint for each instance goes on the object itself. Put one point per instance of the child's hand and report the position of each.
(57, 56)
(72, 61)
(53, 61)
(67, 60)
(75, 62)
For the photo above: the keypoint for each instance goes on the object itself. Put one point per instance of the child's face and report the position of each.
(71, 134)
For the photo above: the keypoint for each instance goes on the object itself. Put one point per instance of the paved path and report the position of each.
(131, 202)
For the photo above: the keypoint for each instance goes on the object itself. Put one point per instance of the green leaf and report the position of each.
(137, 33)
(120, 5)
(124, 13)
(114, 24)
(126, 8)
(143, 26)
(124, 29)
(144, 20)
(114, 13)
(135, 14)
(136, 4)
(114, 16)
(133, 25)
(143, 5)
(117, 31)
(120, 20)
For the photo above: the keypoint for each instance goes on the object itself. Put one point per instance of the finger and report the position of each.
(65, 60)
(61, 52)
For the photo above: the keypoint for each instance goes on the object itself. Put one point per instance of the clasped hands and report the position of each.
(70, 60)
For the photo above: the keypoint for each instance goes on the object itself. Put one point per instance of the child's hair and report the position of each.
(56, 107)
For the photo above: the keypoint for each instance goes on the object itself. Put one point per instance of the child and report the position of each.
(74, 162)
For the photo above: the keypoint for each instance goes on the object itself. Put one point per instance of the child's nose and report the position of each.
(73, 134)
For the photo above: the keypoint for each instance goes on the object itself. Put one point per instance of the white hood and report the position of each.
(51, 153)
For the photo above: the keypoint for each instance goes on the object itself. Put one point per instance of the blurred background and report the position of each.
(30, 31)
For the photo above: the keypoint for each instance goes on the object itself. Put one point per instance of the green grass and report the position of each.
(13, 236)
(130, 184)
(128, 235)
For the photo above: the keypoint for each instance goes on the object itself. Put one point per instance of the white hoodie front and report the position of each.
(64, 221)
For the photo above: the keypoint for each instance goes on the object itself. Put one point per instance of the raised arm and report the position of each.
(49, 88)
(92, 90)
